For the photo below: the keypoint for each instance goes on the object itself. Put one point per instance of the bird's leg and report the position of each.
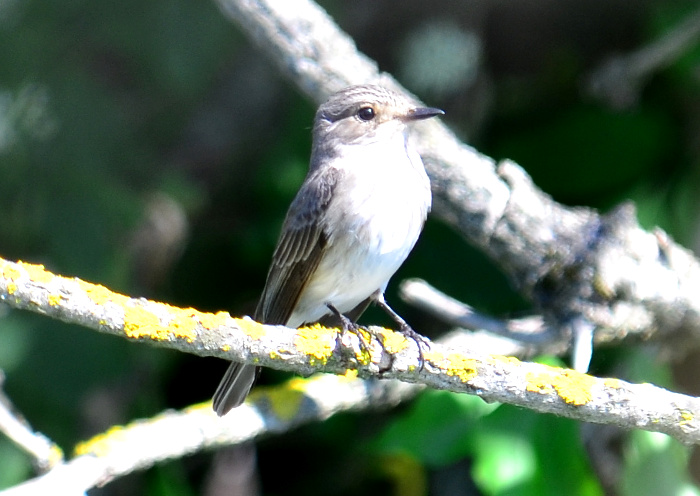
(404, 328)
(350, 326)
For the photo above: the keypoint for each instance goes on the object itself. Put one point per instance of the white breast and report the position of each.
(376, 216)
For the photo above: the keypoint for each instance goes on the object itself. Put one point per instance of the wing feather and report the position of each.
(299, 250)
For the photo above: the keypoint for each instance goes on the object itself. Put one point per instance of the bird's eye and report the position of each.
(366, 113)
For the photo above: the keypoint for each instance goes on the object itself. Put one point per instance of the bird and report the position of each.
(353, 222)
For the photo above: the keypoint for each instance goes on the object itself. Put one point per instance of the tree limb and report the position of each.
(44, 452)
(174, 434)
(620, 79)
(385, 354)
(448, 365)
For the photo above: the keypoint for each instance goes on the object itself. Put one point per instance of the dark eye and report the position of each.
(366, 113)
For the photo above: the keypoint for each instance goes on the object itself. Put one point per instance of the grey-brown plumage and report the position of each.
(353, 222)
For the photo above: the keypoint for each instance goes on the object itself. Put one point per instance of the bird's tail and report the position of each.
(234, 387)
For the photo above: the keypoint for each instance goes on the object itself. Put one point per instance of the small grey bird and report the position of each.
(354, 221)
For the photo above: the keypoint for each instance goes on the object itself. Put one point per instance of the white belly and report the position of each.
(377, 214)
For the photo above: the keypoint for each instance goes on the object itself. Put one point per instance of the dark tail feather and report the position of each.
(234, 387)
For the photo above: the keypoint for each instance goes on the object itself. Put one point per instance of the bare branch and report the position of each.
(45, 453)
(530, 330)
(528, 335)
(620, 79)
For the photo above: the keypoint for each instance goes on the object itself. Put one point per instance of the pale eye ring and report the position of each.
(366, 114)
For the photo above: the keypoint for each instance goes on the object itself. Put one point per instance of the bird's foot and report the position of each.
(417, 338)
(404, 328)
(348, 325)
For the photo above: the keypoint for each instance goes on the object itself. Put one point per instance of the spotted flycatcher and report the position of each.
(354, 221)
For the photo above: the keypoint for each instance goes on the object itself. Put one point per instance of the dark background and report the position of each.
(147, 146)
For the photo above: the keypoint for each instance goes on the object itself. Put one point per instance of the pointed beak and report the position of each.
(420, 113)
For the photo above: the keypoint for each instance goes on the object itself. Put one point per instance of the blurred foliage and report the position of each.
(117, 115)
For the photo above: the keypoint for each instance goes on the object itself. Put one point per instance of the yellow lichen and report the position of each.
(508, 360)
(10, 272)
(316, 341)
(100, 445)
(434, 356)
(212, 320)
(687, 417)
(454, 364)
(612, 383)
(286, 399)
(350, 375)
(54, 299)
(101, 295)
(184, 322)
(142, 323)
(37, 273)
(459, 366)
(253, 329)
(203, 408)
(393, 341)
(364, 357)
(184, 327)
(55, 455)
(571, 386)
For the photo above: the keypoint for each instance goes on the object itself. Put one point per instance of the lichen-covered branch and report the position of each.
(573, 263)
(447, 366)
(385, 354)
(174, 434)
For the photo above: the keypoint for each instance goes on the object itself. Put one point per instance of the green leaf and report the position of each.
(438, 429)
(656, 464)
(528, 454)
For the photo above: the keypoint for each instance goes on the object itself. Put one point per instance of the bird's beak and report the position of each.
(420, 113)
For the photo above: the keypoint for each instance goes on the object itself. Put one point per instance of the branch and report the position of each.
(529, 330)
(174, 434)
(619, 80)
(45, 453)
(143, 443)
(385, 354)
(573, 263)
(528, 336)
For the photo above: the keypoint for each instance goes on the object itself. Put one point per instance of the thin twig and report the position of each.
(531, 330)
(44, 452)
(619, 80)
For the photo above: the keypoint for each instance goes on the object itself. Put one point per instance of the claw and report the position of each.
(420, 341)
(404, 328)
(350, 326)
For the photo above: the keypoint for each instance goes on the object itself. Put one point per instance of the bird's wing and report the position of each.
(299, 249)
